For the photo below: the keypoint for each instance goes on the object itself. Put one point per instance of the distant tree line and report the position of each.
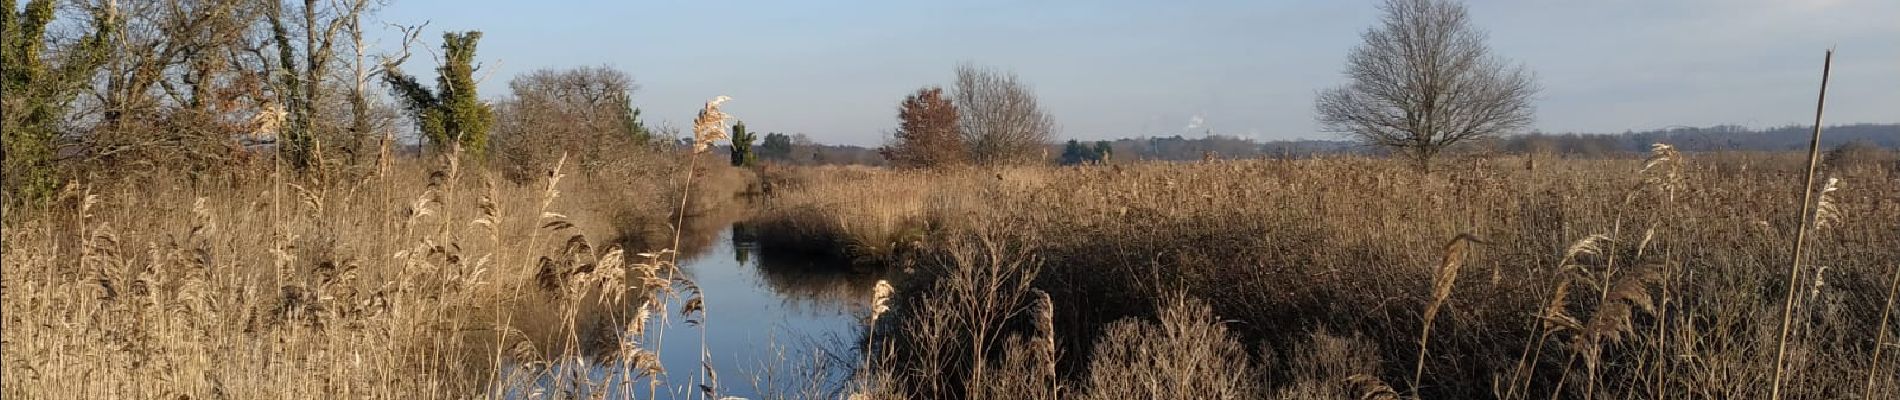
(797, 149)
(1182, 148)
(1714, 138)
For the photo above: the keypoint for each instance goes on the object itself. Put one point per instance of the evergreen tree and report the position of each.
(777, 146)
(453, 113)
(35, 92)
(1074, 153)
(630, 120)
(742, 146)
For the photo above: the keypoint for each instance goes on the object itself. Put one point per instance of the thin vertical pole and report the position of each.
(1801, 232)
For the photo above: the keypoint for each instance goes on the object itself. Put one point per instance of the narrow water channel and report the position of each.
(774, 323)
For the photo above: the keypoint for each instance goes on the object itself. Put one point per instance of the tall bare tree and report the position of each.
(1001, 122)
(1425, 80)
(927, 135)
(365, 117)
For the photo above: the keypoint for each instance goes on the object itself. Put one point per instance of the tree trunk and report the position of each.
(290, 142)
(1422, 158)
(359, 99)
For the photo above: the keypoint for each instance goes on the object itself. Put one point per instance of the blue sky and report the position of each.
(1105, 69)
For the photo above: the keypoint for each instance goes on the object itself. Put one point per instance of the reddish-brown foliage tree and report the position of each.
(927, 135)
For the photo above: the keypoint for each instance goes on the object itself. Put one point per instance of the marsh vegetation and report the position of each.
(202, 203)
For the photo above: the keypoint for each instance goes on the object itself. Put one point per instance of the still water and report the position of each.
(775, 326)
(774, 323)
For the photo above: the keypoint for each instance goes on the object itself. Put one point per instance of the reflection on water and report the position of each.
(807, 283)
(776, 324)
(771, 319)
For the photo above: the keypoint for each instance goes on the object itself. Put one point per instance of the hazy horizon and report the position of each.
(1113, 69)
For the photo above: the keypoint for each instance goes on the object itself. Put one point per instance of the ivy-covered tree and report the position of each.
(452, 114)
(35, 89)
(742, 146)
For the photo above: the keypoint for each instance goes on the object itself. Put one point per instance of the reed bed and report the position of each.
(428, 279)
(1642, 277)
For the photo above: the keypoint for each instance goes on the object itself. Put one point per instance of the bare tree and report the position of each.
(589, 93)
(1425, 80)
(367, 115)
(927, 135)
(578, 111)
(1000, 119)
(174, 84)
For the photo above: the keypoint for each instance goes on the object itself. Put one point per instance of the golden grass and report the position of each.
(1656, 274)
(420, 283)
(838, 211)
(1175, 280)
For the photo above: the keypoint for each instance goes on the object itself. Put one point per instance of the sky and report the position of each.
(836, 70)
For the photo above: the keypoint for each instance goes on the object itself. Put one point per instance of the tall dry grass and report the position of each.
(838, 212)
(1622, 278)
(424, 280)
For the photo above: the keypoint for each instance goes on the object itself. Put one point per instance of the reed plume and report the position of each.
(880, 299)
(1443, 281)
(710, 126)
(1827, 213)
(1614, 317)
(1045, 344)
